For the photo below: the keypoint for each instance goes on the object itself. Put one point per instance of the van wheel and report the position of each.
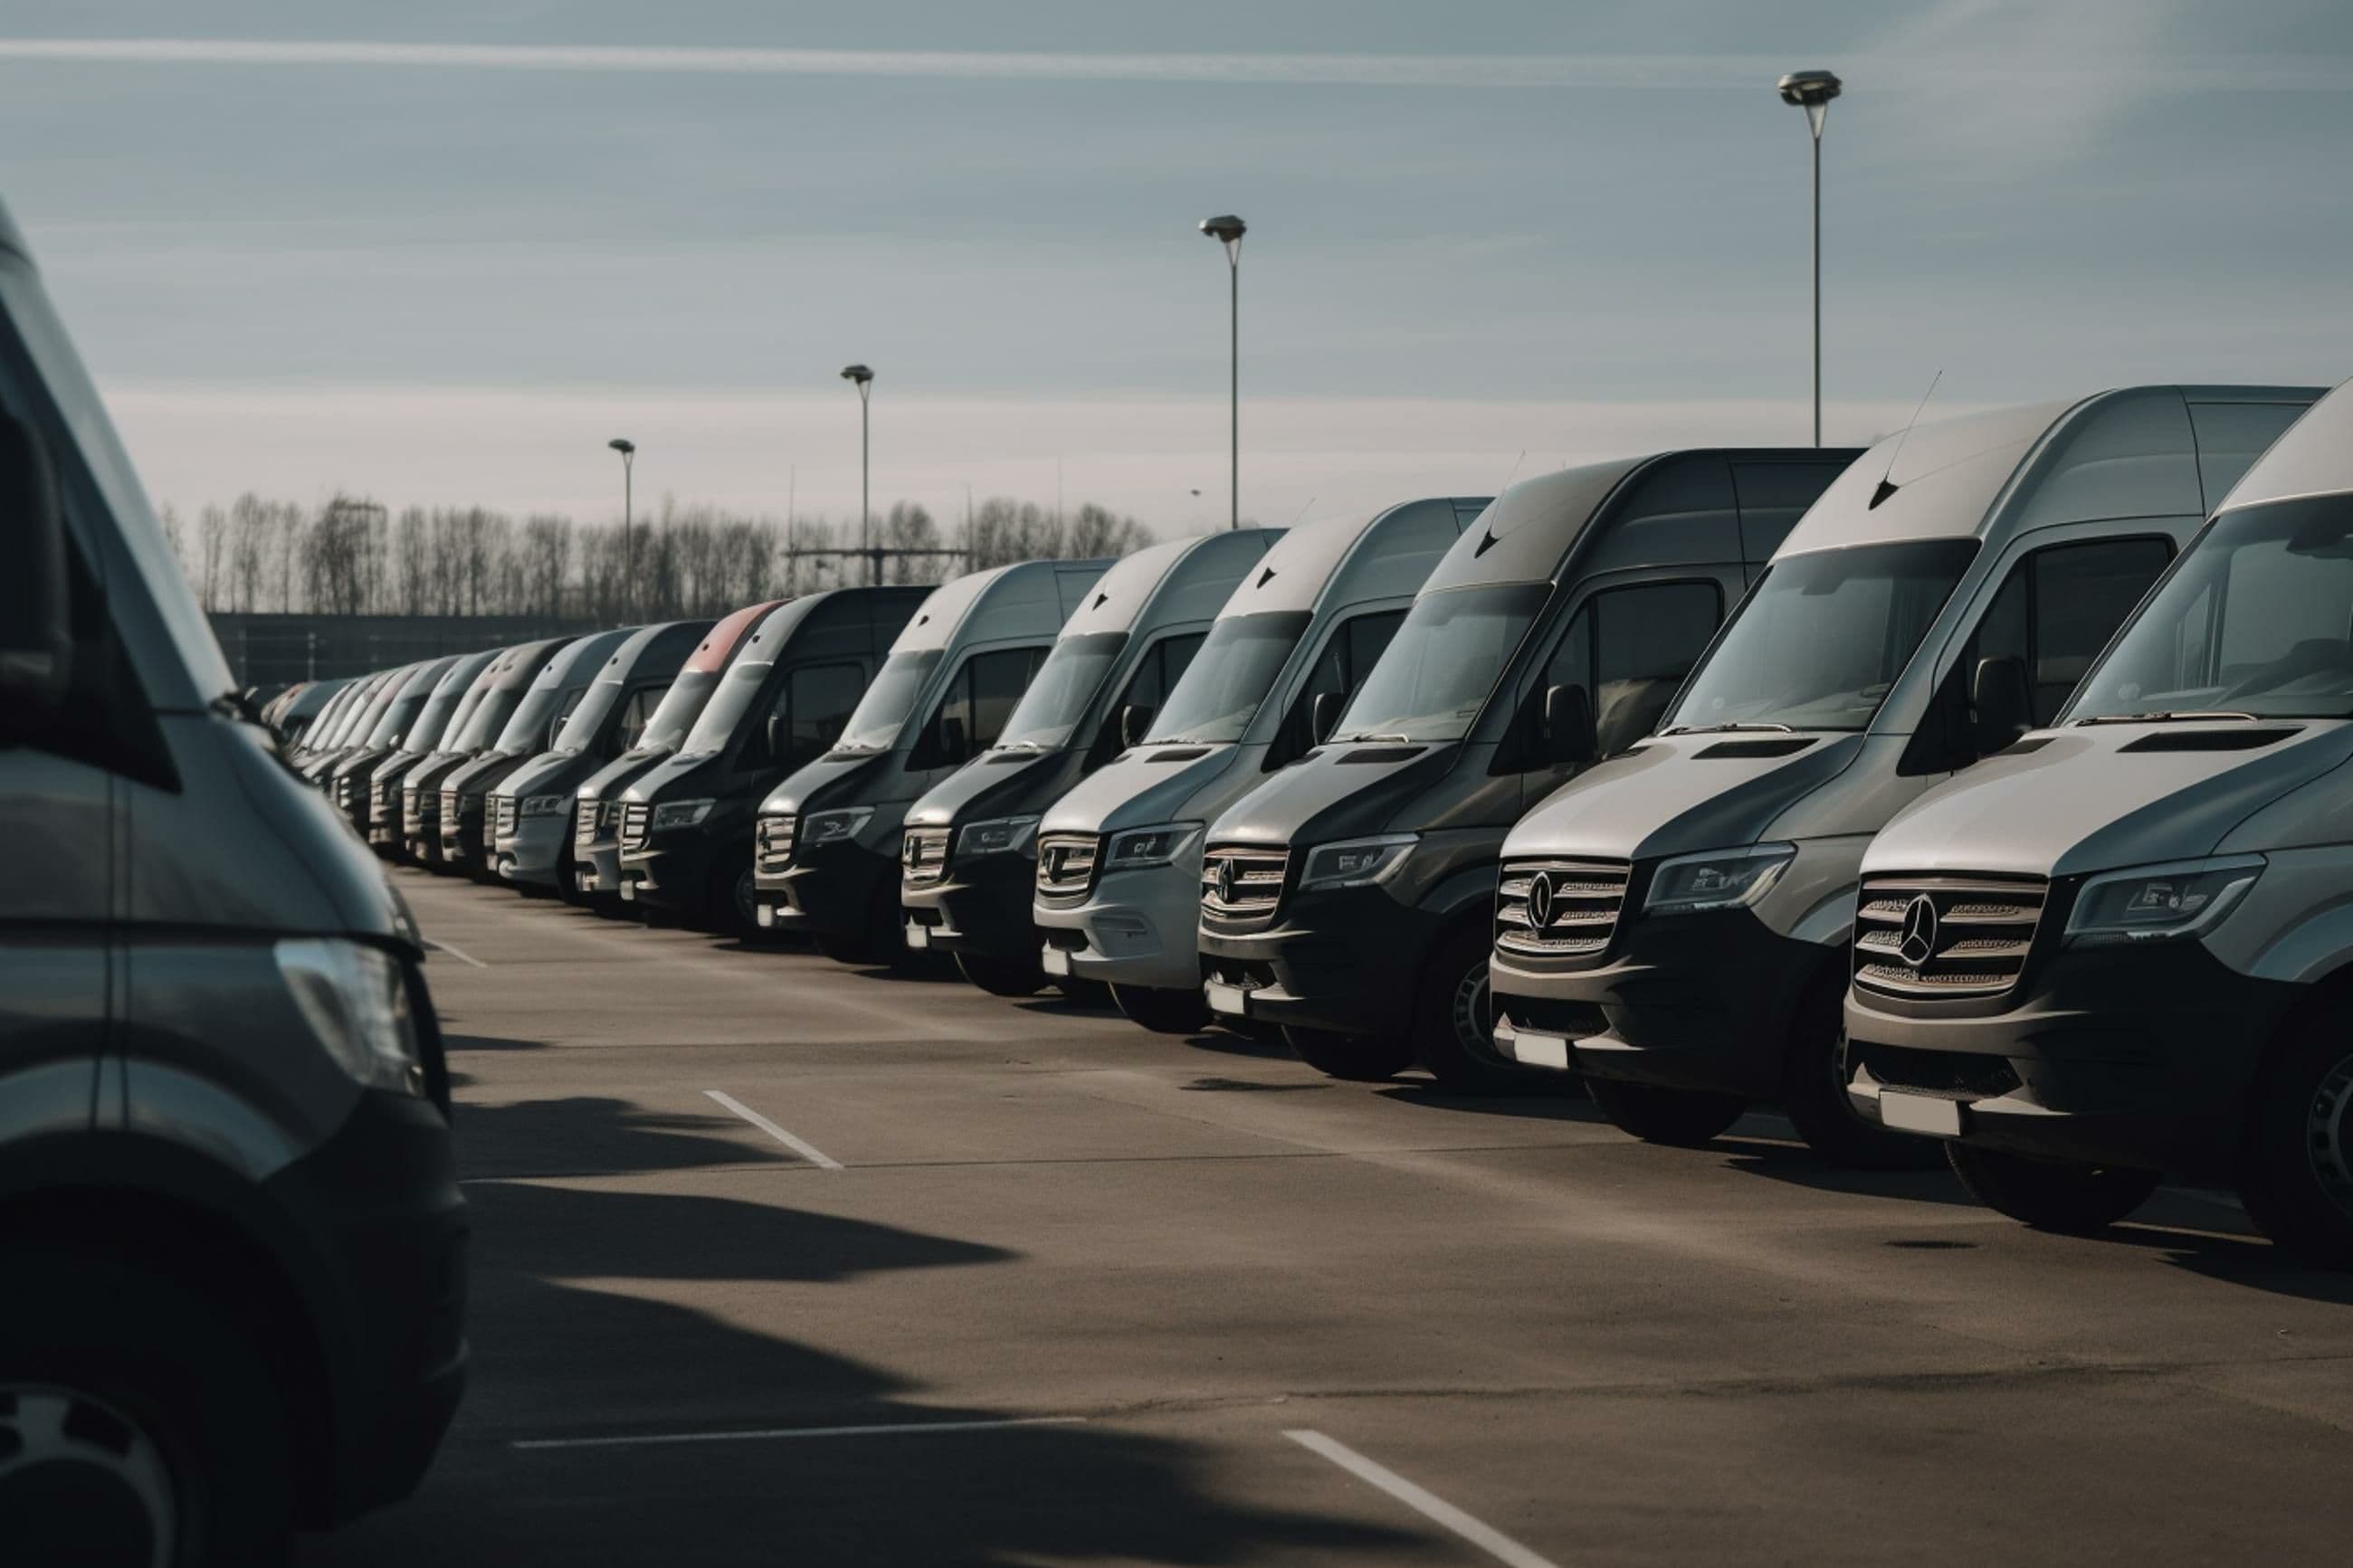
(1814, 1093)
(730, 904)
(1163, 1012)
(1358, 1059)
(1082, 993)
(1454, 1023)
(2051, 1194)
(1679, 1118)
(2296, 1173)
(1002, 976)
(139, 1424)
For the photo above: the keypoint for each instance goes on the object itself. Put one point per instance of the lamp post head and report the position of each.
(1812, 92)
(859, 376)
(1227, 230)
(623, 446)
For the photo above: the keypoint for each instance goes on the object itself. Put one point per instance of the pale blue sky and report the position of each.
(1477, 229)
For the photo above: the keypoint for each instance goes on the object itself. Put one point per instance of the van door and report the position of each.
(1628, 647)
(977, 699)
(1350, 650)
(1155, 675)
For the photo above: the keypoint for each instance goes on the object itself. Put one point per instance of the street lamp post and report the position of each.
(859, 376)
(1228, 231)
(629, 450)
(1812, 91)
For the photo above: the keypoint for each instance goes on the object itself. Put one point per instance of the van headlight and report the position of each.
(1716, 878)
(819, 828)
(355, 999)
(1136, 847)
(546, 805)
(681, 813)
(997, 835)
(1356, 862)
(2160, 903)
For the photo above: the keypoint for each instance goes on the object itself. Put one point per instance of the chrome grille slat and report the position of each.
(923, 856)
(1587, 901)
(508, 815)
(1977, 944)
(774, 845)
(1256, 877)
(587, 815)
(637, 824)
(1065, 864)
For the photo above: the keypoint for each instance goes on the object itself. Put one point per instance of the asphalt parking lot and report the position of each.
(743, 1218)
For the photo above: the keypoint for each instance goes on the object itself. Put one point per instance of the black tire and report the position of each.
(1358, 1059)
(1454, 1024)
(1082, 993)
(1002, 976)
(1679, 1118)
(1813, 1092)
(2295, 1173)
(1163, 1012)
(179, 1429)
(2051, 1194)
(731, 902)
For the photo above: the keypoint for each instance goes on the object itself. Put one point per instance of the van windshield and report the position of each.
(1058, 695)
(728, 704)
(527, 730)
(2256, 621)
(882, 714)
(426, 732)
(1221, 691)
(400, 715)
(674, 715)
(489, 717)
(1818, 641)
(588, 717)
(1440, 668)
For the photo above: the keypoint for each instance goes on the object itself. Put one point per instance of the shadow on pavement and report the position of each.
(1799, 1166)
(1224, 1044)
(1569, 1104)
(592, 1135)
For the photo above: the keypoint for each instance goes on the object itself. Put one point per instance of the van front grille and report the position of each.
(1066, 865)
(774, 845)
(592, 816)
(1560, 908)
(449, 806)
(1940, 937)
(637, 825)
(1238, 883)
(509, 813)
(924, 856)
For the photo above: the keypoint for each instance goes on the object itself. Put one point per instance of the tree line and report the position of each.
(355, 556)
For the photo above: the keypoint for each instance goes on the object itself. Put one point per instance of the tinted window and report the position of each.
(1629, 649)
(1148, 685)
(1440, 669)
(1349, 654)
(637, 712)
(1228, 677)
(819, 700)
(1053, 703)
(2059, 609)
(980, 697)
(888, 702)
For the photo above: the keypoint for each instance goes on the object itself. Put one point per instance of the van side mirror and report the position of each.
(36, 609)
(2001, 702)
(1324, 716)
(1134, 720)
(1567, 728)
(951, 734)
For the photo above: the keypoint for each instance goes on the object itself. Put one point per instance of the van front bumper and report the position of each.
(1691, 1002)
(982, 909)
(461, 836)
(2139, 1056)
(1138, 928)
(534, 852)
(672, 871)
(1347, 960)
(832, 891)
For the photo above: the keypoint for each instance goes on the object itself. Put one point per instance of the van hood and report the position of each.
(1676, 793)
(430, 773)
(995, 783)
(1326, 794)
(550, 772)
(2096, 797)
(608, 782)
(675, 778)
(479, 773)
(1143, 786)
(837, 778)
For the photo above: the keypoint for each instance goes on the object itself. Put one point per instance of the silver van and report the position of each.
(1118, 894)
(1674, 924)
(970, 856)
(444, 713)
(347, 782)
(2124, 945)
(489, 703)
(826, 842)
(468, 828)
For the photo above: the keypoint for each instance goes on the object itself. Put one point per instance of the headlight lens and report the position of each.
(823, 827)
(1716, 878)
(997, 835)
(355, 1000)
(1356, 862)
(681, 813)
(546, 805)
(2160, 903)
(1140, 846)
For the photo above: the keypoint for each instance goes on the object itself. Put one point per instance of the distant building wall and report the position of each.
(269, 650)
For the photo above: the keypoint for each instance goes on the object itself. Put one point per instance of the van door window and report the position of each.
(818, 701)
(980, 697)
(635, 712)
(1155, 676)
(1629, 650)
(1349, 654)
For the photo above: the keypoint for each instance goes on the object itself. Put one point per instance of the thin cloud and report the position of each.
(1673, 72)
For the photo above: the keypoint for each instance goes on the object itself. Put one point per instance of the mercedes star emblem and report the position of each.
(1225, 882)
(1919, 944)
(1540, 895)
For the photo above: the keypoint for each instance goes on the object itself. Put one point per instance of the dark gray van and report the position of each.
(445, 713)
(347, 780)
(468, 827)
(1348, 897)
(496, 692)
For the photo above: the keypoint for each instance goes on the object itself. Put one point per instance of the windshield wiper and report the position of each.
(1020, 746)
(1723, 729)
(1373, 735)
(855, 748)
(2165, 716)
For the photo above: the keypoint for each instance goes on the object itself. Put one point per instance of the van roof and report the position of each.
(1026, 598)
(711, 655)
(1386, 554)
(2136, 451)
(1182, 580)
(2314, 458)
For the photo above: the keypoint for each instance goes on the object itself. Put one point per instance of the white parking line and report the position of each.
(773, 1433)
(460, 957)
(807, 1151)
(1485, 1537)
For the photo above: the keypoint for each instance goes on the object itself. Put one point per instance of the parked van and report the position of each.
(298, 707)
(1697, 897)
(444, 714)
(560, 686)
(1118, 886)
(2124, 945)
(1348, 897)
(686, 822)
(826, 844)
(357, 722)
(970, 857)
(597, 817)
(326, 721)
(229, 1223)
(498, 692)
(328, 734)
(347, 780)
(532, 807)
